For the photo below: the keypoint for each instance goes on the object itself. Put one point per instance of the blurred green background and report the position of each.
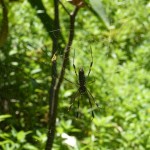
(119, 35)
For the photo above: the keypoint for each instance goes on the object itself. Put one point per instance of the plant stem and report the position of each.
(56, 83)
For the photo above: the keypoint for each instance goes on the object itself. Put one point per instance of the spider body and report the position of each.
(82, 87)
(82, 90)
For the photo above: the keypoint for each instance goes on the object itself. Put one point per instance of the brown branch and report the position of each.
(68, 46)
(47, 21)
(4, 26)
(55, 86)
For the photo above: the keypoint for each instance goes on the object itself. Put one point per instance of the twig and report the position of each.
(64, 7)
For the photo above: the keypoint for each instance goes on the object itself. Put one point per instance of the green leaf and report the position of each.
(29, 146)
(99, 10)
(21, 136)
(3, 117)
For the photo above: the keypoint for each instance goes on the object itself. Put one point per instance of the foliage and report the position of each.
(120, 73)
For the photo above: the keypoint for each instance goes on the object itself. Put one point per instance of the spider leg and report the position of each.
(91, 64)
(78, 108)
(74, 65)
(70, 81)
(89, 82)
(90, 95)
(90, 103)
(74, 98)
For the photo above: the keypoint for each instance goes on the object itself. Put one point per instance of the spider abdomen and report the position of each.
(81, 77)
(82, 81)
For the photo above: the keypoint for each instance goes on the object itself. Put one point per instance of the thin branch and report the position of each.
(67, 49)
(56, 83)
(4, 24)
(64, 7)
(52, 102)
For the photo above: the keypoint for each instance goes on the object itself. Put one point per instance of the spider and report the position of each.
(81, 83)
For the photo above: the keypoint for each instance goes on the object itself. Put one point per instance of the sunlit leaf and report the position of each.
(99, 10)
